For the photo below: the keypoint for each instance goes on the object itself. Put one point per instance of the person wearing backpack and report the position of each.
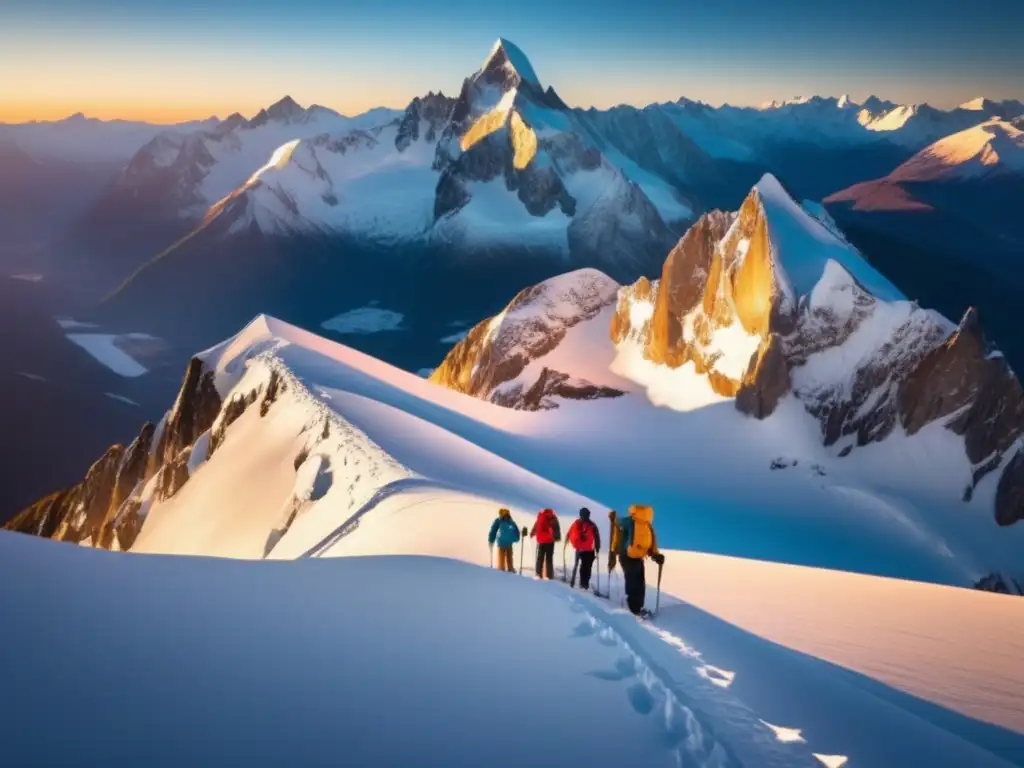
(637, 542)
(586, 540)
(505, 532)
(546, 532)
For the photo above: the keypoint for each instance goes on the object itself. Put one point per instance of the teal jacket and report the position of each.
(505, 531)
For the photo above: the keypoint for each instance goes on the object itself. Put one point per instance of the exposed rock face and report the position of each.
(494, 361)
(766, 380)
(424, 118)
(102, 510)
(682, 286)
(549, 386)
(719, 282)
(1010, 491)
(193, 413)
(968, 379)
(857, 399)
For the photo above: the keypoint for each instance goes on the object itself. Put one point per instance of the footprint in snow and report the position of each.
(584, 629)
(723, 678)
(608, 637)
(625, 668)
(641, 699)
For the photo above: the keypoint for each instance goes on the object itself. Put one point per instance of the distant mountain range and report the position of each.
(393, 230)
(239, 214)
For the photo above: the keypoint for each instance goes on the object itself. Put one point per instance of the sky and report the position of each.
(187, 59)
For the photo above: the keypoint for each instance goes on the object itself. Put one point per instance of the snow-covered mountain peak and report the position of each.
(874, 105)
(995, 146)
(979, 104)
(779, 103)
(292, 192)
(506, 62)
(285, 109)
(821, 102)
(801, 245)
(288, 112)
(516, 358)
(232, 122)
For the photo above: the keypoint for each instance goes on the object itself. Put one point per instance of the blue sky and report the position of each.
(195, 57)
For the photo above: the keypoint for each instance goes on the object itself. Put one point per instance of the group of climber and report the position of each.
(632, 541)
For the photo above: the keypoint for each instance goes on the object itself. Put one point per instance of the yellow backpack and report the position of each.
(643, 533)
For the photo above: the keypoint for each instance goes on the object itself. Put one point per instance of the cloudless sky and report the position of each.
(166, 61)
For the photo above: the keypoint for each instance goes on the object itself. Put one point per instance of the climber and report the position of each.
(586, 540)
(637, 541)
(546, 532)
(505, 531)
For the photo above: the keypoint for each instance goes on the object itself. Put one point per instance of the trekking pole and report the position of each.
(657, 599)
(575, 565)
(522, 548)
(565, 568)
(597, 564)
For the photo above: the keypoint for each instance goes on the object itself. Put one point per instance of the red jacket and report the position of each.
(584, 536)
(546, 529)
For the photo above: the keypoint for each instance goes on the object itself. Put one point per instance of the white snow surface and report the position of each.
(896, 673)
(103, 347)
